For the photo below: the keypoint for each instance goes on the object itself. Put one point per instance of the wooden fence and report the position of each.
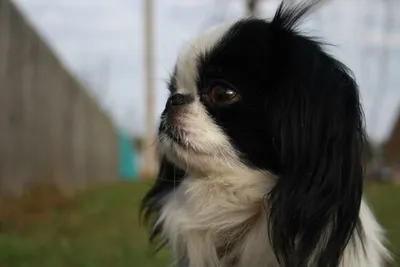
(50, 129)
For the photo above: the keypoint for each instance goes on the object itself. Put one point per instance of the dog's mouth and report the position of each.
(180, 137)
(174, 133)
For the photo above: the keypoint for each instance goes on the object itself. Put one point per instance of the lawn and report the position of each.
(102, 229)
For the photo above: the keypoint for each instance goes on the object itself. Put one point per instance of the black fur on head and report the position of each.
(300, 118)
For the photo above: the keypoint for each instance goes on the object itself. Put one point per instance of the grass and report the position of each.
(101, 229)
(385, 202)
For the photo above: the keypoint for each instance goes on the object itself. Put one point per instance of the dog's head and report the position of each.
(260, 95)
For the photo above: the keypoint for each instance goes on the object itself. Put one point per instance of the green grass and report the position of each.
(385, 202)
(103, 230)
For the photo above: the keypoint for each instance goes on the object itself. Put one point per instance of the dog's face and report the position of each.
(220, 110)
(241, 92)
(259, 95)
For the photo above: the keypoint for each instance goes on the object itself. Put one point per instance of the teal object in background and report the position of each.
(127, 161)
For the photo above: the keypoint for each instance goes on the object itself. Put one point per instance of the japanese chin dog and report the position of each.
(260, 148)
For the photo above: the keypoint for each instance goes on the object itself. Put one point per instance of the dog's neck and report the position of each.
(220, 221)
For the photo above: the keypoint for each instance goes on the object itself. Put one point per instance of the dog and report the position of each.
(261, 153)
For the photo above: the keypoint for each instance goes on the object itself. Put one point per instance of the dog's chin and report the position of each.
(193, 158)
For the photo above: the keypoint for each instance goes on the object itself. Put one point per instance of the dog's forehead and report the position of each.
(187, 63)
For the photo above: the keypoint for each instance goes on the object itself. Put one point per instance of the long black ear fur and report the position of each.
(315, 204)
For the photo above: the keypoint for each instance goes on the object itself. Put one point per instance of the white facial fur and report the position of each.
(210, 150)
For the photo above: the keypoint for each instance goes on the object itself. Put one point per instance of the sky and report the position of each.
(101, 41)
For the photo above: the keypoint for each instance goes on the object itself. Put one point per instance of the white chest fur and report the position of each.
(205, 216)
(209, 217)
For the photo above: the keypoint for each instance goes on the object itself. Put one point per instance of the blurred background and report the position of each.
(82, 83)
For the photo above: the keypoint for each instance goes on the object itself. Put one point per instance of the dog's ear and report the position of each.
(319, 136)
(169, 177)
(315, 204)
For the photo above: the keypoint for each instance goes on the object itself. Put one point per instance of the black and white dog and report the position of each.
(261, 148)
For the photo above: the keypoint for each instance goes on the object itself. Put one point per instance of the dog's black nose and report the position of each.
(179, 99)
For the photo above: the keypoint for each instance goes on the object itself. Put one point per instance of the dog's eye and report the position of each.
(222, 94)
